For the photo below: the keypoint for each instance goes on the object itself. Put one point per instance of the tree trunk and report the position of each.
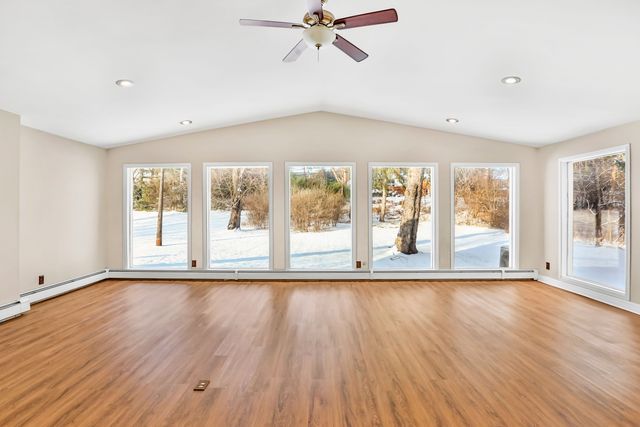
(160, 209)
(237, 191)
(599, 237)
(383, 206)
(406, 241)
(342, 179)
(598, 209)
(236, 210)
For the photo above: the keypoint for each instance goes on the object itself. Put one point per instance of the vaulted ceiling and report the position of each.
(579, 61)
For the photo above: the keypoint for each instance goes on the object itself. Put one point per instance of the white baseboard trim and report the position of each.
(325, 275)
(15, 309)
(600, 297)
(51, 291)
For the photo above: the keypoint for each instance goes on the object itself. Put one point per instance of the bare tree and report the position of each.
(341, 175)
(237, 190)
(599, 188)
(406, 240)
(231, 187)
(598, 204)
(481, 197)
(381, 180)
(160, 209)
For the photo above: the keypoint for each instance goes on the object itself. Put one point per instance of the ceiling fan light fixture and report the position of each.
(318, 36)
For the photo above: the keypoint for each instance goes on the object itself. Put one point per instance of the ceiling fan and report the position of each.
(320, 27)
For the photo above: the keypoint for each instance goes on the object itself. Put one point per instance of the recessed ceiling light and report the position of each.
(186, 122)
(125, 83)
(452, 120)
(511, 80)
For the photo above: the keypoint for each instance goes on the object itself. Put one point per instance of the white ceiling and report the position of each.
(580, 61)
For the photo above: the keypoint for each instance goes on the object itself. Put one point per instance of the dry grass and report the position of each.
(257, 206)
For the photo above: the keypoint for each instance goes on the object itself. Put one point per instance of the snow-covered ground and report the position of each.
(173, 252)
(247, 248)
(387, 257)
(478, 247)
(604, 265)
(323, 250)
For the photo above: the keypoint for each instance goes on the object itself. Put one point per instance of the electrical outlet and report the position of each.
(547, 265)
(41, 280)
(358, 264)
(194, 263)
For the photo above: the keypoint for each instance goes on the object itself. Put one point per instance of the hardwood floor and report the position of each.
(321, 354)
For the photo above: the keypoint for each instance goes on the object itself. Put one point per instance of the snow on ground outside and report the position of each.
(324, 250)
(476, 247)
(604, 265)
(387, 257)
(247, 248)
(173, 253)
(331, 249)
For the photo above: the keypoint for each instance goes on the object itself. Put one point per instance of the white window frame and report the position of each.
(127, 209)
(287, 210)
(206, 185)
(514, 212)
(566, 224)
(434, 210)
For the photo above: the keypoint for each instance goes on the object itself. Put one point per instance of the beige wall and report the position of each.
(62, 208)
(324, 137)
(549, 169)
(10, 155)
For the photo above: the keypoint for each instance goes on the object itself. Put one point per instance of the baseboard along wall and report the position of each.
(594, 295)
(10, 311)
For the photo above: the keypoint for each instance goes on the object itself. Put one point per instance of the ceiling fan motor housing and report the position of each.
(327, 19)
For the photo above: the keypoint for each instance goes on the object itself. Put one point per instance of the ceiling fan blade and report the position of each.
(350, 49)
(372, 18)
(315, 8)
(273, 24)
(296, 52)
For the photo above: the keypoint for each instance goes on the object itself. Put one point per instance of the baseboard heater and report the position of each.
(9, 311)
(15, 309)
(325, 275)
(51, 291)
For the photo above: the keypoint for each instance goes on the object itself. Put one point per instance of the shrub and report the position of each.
(315, 209)
(257, 207)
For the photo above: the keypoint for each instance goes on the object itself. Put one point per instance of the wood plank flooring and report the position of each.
(129, 353)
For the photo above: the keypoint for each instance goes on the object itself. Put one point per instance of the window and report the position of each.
(595, 203)
(320, 212)
(484, 209)
(158, 219)
(239, 212)
(402, 212)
